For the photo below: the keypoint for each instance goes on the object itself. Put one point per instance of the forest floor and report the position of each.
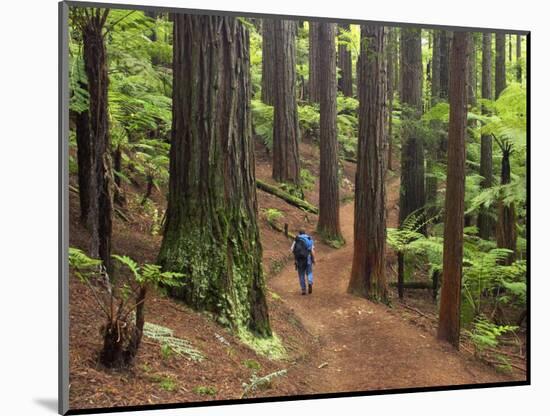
(364, 345)
(334, 342)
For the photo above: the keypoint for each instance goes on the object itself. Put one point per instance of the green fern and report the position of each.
(262, 120)
(82, 265)
(486, 334)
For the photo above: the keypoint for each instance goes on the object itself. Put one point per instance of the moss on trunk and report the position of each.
(211, 233)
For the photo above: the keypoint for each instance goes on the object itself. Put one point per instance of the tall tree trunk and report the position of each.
(101, 181)
(329, 201)
(211, 233)
(397, 63)
(444, 42)
(436, 66)
(368, 268)
(500, 63)
(485, 222)
(84, 158)
(518, 59)
(510, 47)
(472, 99)
(286, 162)
(119, 198)
(314, 56)
(412, 157)
(506, 225)
(449, 307)
(431, 180)
(412, 195)
(345, 82)
(268, 61)
(257, 23)
(433, 151)
(391, 41)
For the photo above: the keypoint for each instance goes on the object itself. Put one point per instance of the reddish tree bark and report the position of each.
(314, 56)
(485, 222)
(268, 61)
(391, 64)
(518, 59)
(436, 67)
(211, 234)
(286, 162)
(412, 196)
(329, 200)
(449, 308)
(345, 82)
(500, 63)
(368, 268)
(444, 43)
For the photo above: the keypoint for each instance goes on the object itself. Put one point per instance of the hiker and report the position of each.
(304, 252)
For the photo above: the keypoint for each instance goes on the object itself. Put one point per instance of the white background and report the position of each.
(28, 209)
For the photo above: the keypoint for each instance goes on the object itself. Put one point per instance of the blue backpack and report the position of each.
(302, 248)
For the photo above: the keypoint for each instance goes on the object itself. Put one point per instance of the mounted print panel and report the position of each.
(264, 208)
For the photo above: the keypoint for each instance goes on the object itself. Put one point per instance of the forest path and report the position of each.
(366, 346)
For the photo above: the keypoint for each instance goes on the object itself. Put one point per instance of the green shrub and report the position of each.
(165, 382)
(205, 390)
(168, 384)
(307, 180)
(309, 118)
(252, 364)
(272, 215)
(262, 121)
(485, 334)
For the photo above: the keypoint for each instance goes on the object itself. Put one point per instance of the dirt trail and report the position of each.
(367, 346)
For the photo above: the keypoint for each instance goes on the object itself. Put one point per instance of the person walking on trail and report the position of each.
(303, 249)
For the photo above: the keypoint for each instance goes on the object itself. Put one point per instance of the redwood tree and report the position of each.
(433, 150)
(412, 195)
(329, 201)
(211, 234)
(444, 42)
(518, 59)
(436, 66)
(505, 227)
(286, 162)
(500, 63)
(314, 56)
(472, 98)
(368, 268)
(449, 307)
(345, 82)
(268, 62)
(485, 222)
(391, 64)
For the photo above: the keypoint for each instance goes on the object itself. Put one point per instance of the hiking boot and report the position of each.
(310, 288)
(303, 292)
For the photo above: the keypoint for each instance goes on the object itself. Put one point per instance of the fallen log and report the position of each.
(414, 285)
(350, 159)
(285, 231)
(292, 200)
(418, 311)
